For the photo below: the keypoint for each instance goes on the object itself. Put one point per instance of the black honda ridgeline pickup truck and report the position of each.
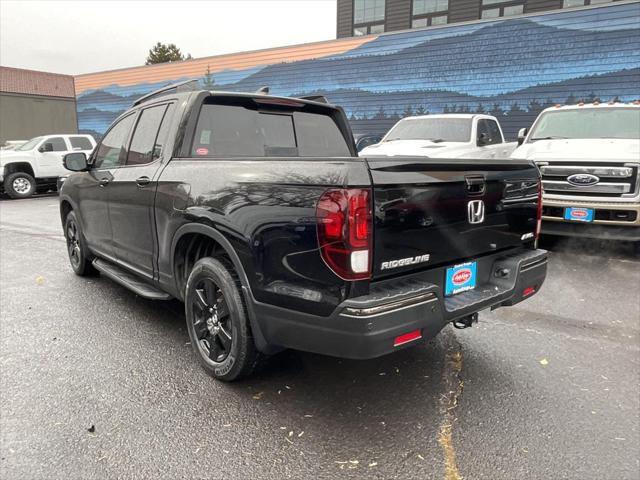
(257, 213)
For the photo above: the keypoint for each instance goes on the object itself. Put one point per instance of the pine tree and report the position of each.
(208, 82)
(534, 106)
(161, 53)
(497, 111)
(380, 115)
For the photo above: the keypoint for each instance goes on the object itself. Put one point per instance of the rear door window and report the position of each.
(238, 131)
(143, 142)
(80, 143)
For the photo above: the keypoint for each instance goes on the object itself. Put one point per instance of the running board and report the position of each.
(129, 280)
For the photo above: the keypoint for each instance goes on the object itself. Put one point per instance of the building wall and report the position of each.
(511, 67)
(398, 13)
(26, 116)
(397, 16)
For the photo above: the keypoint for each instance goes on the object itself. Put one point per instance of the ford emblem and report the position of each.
(582, 179)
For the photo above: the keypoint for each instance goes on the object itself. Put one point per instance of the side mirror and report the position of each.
(76, 162)
(483, 139)
(46, 147)
(522, 134)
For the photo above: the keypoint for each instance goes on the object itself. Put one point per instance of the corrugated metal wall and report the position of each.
(511, 67)
(23, 117)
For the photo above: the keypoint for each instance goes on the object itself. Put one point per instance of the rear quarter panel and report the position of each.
(265, 207)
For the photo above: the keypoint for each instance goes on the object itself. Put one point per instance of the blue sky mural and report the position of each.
(511, 67)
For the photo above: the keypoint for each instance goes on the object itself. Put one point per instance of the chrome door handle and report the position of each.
(143, 181)
(103, 182)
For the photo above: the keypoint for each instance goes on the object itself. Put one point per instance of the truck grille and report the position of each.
(615, 180)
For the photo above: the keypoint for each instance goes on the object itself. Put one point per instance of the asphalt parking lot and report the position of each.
(99, 383)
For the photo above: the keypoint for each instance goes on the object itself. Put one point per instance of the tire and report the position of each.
(19, 185)
(217, 321)
(79, 256)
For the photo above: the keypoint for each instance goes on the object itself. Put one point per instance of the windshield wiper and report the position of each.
(550, 137)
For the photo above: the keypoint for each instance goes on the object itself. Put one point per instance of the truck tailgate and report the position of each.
(430, 212)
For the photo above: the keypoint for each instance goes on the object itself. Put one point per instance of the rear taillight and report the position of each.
(539, 213)
(344, 232)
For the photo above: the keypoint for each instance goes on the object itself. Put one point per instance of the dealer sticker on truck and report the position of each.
(577, 214)
(460, 278)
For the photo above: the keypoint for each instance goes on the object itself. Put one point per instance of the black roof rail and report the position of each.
(315, 98)
(178, 87)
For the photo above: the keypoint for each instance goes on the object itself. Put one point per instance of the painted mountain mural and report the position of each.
(513, 68)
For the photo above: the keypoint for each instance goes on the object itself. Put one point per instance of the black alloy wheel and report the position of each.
(73, 244)
(79, 255)
(217, 321)
(212, 321)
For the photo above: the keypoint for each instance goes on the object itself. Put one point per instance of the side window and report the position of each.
(483, 128)
(143, 143)
(80, 143)
(163, 134)
(111, 152)
(366, 141)
(494, 132)
(58, 144)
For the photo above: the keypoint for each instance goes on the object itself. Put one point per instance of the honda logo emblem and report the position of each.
(475, 211)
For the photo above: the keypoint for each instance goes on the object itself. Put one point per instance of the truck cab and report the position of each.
(37, 164)
(455, 135)
(589, 158)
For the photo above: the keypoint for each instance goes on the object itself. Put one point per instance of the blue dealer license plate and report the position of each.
(577, 214)
(460, 278)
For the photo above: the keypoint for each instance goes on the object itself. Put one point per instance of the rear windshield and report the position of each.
(435, 129)
(239, 131)
(596, 122)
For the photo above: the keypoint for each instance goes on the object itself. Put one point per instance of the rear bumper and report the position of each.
(365, 327)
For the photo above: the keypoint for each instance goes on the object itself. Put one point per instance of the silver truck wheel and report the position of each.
(19, 185)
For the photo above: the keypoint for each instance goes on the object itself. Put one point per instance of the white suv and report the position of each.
(589, 158)
(38, 163)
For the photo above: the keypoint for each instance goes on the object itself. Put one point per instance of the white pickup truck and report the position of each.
(589, 158)
(451, 135)
(38, 163)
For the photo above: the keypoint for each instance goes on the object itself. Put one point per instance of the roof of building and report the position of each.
(33, 82)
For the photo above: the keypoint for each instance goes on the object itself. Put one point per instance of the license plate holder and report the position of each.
(578, 214)
(460, 278)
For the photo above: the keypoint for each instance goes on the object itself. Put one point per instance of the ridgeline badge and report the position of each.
(403, 262)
